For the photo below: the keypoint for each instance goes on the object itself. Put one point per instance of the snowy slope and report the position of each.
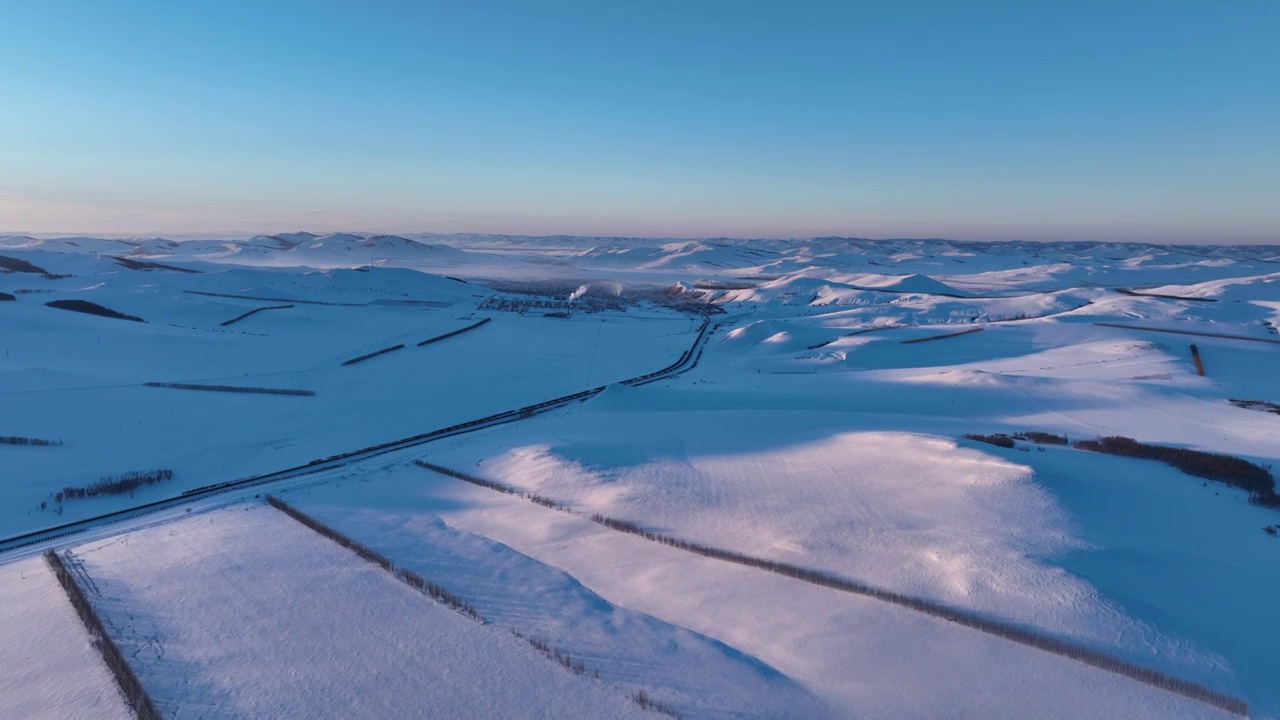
(908, 513)
(865, 658)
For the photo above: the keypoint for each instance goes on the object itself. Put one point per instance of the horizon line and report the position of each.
(241, 234)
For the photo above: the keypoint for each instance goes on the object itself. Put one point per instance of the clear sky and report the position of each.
(1123, 119)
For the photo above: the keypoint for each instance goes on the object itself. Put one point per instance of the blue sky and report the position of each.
(1125, 120)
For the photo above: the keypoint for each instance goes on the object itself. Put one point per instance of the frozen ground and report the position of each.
(820, 426)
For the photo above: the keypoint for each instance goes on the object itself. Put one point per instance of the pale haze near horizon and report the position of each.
(1142, 121)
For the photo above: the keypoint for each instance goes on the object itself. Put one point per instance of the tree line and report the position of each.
(408, 577)
(134, 694)
(114, 484)
(17, 440)
(1228, 469)
(91, 308)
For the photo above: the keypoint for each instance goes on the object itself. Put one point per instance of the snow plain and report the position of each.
(820, 426)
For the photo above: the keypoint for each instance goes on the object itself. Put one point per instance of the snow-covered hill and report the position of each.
(819, 421)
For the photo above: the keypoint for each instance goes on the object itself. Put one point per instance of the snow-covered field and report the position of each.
(862, 657)
(821, 425)
(50, 668)
(245, 613)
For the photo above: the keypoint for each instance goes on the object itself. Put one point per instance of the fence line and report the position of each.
(231, 389)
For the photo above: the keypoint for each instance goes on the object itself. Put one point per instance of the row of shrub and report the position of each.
(968, 618)
(490, 484)
(448, 335)
(145, 265)
(646, 702)
(1196, 333)
(16, 440)
(1260, 405)
(1041, 438)
(1236, 472)
(878, 328)
(997, 439)
(931, 338)
(1135, 293)
(231, 388)
(254, 311)
(7, 296)
(409, 577)
(134, 694)
(268, 299)
(374, 354)
(577, 667)
(1228, 469)
(114, 484)
(1008, 441)
(91, 308)
(437, 593)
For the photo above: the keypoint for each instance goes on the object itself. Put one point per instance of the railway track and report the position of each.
(37, 539)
